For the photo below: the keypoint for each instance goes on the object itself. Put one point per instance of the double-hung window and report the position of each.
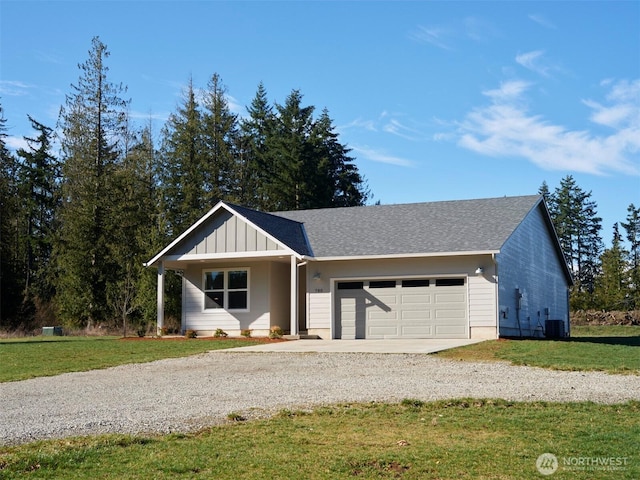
(226, 289)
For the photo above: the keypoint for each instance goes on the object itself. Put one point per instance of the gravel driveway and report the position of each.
(189, 393)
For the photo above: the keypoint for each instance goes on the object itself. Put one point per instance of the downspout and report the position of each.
(496, 294)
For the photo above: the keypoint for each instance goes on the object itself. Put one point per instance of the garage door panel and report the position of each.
(417, 331)
(382, 332)
(421, 309)
(407, 299)
(445, 313)
(449, 298)
(384, 299)
(419, 315)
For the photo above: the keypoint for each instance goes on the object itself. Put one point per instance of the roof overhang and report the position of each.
(404, 255)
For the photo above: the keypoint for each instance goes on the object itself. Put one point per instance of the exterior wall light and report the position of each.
(479, 271)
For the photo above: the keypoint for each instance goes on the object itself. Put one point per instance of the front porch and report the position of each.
(236, 295)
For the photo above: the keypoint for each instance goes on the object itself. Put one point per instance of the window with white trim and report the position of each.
(226, 289)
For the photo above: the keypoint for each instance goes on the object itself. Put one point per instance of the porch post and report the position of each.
(294, 296)
(160, 304)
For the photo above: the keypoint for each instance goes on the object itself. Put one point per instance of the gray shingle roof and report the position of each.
(416, 228)
(290, 232)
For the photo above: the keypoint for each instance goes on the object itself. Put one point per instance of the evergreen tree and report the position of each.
(94, 126)
(136, 237)
(183, 166)
(221, 142)
(38, 182)
(9, 286)
(632, 229)
(339, 183)
(578, 227)
(612, 285)
(255, 161)
(291, 154)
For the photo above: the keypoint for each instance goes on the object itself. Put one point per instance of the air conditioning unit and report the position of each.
(554, 329)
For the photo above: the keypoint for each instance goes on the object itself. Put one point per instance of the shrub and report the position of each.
(164, 331)
(219, 333)
(190, 334)
(276, 332)
(245, 332)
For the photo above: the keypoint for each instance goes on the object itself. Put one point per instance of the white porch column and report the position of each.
(294, 296)
(160, 304)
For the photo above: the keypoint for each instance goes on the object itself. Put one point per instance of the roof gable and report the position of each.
(230, 229)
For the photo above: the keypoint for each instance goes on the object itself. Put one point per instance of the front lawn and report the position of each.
(23, 358)
(612, 349)
(453, 439)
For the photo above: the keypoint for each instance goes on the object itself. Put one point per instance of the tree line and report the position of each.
(77, 226)
(604, 278)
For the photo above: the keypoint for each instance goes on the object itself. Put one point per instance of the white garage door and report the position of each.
(410, 308)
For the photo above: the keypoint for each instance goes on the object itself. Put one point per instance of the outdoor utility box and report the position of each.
(51, 331)
(554, 329)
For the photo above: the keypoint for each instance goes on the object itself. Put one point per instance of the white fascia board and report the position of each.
(225, 256)
(407, 255)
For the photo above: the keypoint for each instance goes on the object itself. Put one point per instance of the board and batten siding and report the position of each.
(529, 262)
(481, 288)
(224, 233)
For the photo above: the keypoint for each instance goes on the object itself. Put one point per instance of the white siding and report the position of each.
(529, 262)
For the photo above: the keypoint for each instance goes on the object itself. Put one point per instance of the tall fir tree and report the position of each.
(291, 154)
(340, 183)
(255, 161)
(578, 227)
(93, 123)
(632, 231)
(612, 285)
(221, 143)
(38, 188)
(182, 169)
(10, 291)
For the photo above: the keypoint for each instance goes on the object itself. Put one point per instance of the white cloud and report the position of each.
(381, 157)
(505, 128)
(508, 91)
(368, 125)
(534, 62)
(394, 127)
(15, 143)
(13, 88)
(436, 36)
(541, 20)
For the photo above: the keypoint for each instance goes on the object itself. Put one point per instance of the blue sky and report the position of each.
(438, 100)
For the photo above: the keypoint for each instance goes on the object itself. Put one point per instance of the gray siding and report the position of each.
(224, 233)
(529, 262)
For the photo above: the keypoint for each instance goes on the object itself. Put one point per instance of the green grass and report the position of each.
(612, 349)
(44, 356)
(456, 439)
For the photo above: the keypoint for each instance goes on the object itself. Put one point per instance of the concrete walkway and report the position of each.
(359, 346)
